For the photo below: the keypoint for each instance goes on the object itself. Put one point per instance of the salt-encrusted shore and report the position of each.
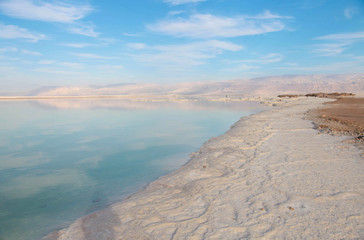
(271, 176)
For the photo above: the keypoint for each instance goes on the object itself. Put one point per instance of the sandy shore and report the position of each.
(345, 115)
(271, 176)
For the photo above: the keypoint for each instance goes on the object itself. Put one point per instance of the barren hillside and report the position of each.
(265, 86)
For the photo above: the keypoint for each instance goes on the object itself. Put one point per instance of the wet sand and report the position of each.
(345, 115)
(271, 176)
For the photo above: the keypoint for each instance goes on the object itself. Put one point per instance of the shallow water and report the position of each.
(62, 159)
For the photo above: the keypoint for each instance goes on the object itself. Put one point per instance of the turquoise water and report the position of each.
(62, 159)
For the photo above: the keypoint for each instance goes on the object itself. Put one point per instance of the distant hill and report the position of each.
(264, 86)
(41, 90)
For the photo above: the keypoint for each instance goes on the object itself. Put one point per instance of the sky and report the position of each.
(81, 43)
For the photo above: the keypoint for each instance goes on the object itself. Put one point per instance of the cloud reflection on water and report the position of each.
(130, 104)
(27, 185)
(11, 161)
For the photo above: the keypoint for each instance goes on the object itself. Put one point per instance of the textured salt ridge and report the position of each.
(272, 176)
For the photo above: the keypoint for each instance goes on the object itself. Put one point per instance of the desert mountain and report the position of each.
(264, 86)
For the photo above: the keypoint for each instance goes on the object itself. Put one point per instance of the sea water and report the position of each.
(62, 159)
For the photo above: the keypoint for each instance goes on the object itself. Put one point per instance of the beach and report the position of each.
(345, 115)
(273, 175)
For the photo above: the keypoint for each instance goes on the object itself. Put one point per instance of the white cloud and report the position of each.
(185, 55)
(350, 12)
(212, 46)
(336, 67)
(131, 34)
(8, 49)
(57, 11)
(92, 56)
(8, 59)
(23, 51)
(179, 2)
(343, 36)
(224, 45)
(137, 46)
(337, 43)
(84, 29)
(244, 65)
(78, 45)
(110, 67)
(15, 32)
(269, 58)
(33, 53)
(174, 13)
(241, 67)
(72, 65)
(330, 49)
(209, 26)
(57, 71)
(46, 62)
(291, 64)
(108, 41)
(4, 69)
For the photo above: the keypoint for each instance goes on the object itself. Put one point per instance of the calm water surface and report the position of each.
(62, 159)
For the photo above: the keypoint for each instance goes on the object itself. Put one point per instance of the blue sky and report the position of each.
(79, 43)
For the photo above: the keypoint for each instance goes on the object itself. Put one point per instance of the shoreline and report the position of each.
(168, 96)
(343, 116)
(258, 180)
(152, 98)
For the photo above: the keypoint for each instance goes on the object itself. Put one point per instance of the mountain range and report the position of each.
(263, 86)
